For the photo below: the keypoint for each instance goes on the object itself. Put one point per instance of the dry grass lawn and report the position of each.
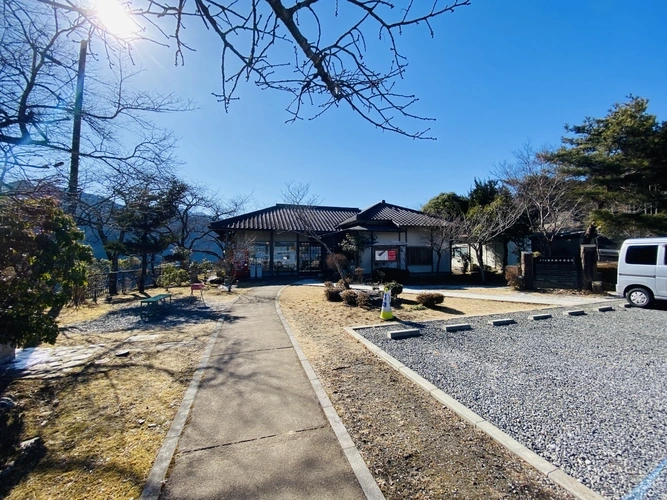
(102, 424)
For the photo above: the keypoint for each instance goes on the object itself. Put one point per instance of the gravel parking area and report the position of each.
(585, 392)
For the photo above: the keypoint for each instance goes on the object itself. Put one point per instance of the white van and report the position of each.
(642, 271)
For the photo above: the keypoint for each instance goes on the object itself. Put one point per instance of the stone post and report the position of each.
(527, 269)
(589, 266)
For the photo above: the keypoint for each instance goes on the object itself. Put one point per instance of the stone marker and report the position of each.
(458, 327)
(501, 322)
(403, 334)
(537, 317)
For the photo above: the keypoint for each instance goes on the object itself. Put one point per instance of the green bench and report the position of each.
(153, 303)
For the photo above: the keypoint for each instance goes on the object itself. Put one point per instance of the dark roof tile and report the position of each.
(324, 219)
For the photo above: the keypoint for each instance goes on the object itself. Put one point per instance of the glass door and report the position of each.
(310, 258)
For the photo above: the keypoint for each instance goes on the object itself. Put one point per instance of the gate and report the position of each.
(564, 272)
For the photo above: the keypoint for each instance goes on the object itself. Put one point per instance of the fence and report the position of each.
(126, 281)
(556, 273)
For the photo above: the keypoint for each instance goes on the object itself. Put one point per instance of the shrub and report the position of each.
(328, 284)
(363, 299)
(395, 288)
(172, 276)
(513, 277)
(332, 294)
(349, 297)
(359, 274)
(430, 299)
(344, 283)
(337, 258)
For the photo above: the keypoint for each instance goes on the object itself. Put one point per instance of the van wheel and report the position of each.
(639, 297)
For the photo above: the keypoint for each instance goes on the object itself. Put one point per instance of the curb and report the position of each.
(158, 473)
(363, 475)
(555, 474)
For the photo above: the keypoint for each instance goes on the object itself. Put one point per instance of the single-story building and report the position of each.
(283, 239)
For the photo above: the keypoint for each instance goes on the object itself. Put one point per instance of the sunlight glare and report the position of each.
(116, 19)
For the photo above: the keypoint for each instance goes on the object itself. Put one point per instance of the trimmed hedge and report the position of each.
(430, 299)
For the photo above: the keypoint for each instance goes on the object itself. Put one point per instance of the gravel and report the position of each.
(129, 318)
(585, 392)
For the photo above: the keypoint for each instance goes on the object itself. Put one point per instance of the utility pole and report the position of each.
(73, 187)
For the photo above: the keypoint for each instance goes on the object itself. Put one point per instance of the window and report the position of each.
(420, 256)
(284, 256)
(644, 254)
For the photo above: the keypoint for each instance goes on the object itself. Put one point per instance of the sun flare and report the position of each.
(116, 19)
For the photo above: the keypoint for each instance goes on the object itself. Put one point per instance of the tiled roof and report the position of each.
(400, 216)
(325, 219)
(289, 218)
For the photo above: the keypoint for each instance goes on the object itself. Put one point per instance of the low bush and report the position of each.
(395, 288)
(344, 283)
(513, 277)
(332, 294)
(339, 259)
(172, 276)
(349, 297)
(363, 299)
(328, 284)
(359, 274)
(430, 299)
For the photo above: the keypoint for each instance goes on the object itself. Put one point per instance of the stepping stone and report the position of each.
(403, 334)
(537, 317)
(501, 322)
(458, 327)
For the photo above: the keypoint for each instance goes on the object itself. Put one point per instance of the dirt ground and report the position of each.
(414, 447)
(101, 424)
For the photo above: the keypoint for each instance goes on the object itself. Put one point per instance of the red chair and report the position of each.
(197, 287)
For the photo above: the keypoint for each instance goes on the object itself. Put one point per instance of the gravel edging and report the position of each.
(548, 469)
(585, 392)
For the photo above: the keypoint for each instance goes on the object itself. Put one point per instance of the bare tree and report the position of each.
(39, 69)
(549, 198)
(234, 244)
(191, 230)
(439, 237)
(317, 52)
(298, 195)
(482, 224)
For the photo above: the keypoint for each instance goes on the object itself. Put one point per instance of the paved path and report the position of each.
(256, 428)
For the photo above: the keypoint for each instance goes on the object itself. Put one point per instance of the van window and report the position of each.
(644, 254)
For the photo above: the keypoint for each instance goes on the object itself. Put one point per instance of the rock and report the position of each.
(29, 443)
(7, 402)
(122, 354)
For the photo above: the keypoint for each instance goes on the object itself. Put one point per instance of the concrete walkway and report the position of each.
(256, 428)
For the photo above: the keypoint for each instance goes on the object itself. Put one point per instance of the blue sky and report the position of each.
(496, 74)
